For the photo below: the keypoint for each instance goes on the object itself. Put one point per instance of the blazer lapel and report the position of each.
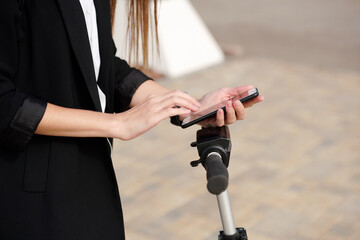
(76, 28)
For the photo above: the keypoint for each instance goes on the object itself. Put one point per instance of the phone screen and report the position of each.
(199, 116)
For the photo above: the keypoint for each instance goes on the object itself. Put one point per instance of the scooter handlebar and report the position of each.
(216, 174)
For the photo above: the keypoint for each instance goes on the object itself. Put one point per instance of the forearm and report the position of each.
(67, 122)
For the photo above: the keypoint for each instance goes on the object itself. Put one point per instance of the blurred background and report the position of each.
(295, 161)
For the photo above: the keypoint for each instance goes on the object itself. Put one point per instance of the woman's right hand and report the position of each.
(151, 111)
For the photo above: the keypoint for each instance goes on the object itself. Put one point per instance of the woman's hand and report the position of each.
(235, 110)
(151, 111)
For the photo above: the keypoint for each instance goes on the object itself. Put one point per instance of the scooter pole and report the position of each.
(214, 147)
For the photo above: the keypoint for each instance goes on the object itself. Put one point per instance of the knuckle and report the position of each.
(175, 92)
(240, 106)
(174, 97)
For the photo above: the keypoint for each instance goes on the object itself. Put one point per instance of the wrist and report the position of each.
(111, 126)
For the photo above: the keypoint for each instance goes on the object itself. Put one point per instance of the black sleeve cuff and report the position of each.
(24, 124)
(125, 89)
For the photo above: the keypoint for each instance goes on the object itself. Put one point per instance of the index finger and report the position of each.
(184, 96)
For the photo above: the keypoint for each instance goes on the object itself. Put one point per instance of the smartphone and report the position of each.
(196, 117)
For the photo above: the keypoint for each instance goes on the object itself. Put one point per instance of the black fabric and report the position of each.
(57, 187)
(24, 124)
(175, 120)
(28, 116)
(128, 85)
(20, 24)
(36, 166)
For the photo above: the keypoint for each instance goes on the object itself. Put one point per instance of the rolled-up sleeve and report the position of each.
(127, 80)
(24, 123)
(20, 113)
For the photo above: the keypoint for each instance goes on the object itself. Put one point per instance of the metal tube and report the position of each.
(226, 215)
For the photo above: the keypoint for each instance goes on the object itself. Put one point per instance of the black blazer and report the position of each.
(57, 187)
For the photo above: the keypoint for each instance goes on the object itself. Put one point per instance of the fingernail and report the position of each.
(229, 104)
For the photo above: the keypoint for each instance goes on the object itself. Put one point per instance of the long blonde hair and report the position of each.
(139, 25)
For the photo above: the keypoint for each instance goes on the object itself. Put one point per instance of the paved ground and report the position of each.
(295, 165)
(322, 34)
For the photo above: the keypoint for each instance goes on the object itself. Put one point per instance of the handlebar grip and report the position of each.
(216, 174)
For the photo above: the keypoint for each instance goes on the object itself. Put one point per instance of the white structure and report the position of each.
(185, 43)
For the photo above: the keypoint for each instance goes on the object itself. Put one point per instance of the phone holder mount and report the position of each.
(212, 139)
(214, 147)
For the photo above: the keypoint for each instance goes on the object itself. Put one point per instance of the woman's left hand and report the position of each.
(235, 110)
